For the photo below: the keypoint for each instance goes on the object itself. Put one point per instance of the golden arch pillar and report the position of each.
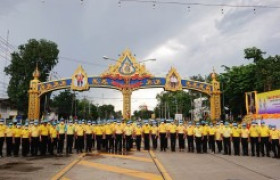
(126, 103)
(34, 98)
(215, 99)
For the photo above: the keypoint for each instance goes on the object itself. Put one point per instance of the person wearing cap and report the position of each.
(162, 134)
(137, 133)
(218, 137)
(109, 142)
(264, 135)
(89, 134)
(79, 137)
(9, 133)
(70, 131)
(53, 138)
(128, 130)
(35, 133)
(244, 139)
(198, 136)
(204, 136)
(16, 139)
(146, 130)
(254, 139)
(235, 134)
(98, 132)
(190, 134)
(181, 134)
(172, 134)
(61, 128)
(25, 140)
(211, 137)
(118, 137)
(93, 126)
(154, 133)
(274, 138)
(226, 134)
(44, 135)
(2, 136)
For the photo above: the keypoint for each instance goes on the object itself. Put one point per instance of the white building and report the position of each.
(6, 109)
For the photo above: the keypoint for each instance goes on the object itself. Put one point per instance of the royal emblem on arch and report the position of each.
(79, 80)
(173, 81)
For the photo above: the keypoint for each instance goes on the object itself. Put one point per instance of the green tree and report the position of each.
(23, 62)
(63, 103)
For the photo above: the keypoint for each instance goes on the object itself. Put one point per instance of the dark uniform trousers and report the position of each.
(89, 142)
(265, 143)
(118, 143)
(128, 142)
(255, 146)
(16, 146)
(204, 144)
(25, 146)
(138, 142)
(219, 145)
(93, 143)
(198, 144)
(52, 144)
(275, 147)
(1, 145)
(154, 140)
(173, 141)
(80, 143)
(190, 144)
(211, 142)
(70, 139)
(34, 146)
(227, 146)
(147, 141)
(181, 141)
(109, 142)
(236, 145)
(163, 140)
(244, 142)
(60, 143)
(99, 142)
(44, 142)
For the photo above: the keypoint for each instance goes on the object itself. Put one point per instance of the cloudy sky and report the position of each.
(194, 39)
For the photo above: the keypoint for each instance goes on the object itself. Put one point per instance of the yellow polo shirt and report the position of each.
(70, 129)
(118, 129)
(79, 130)
(172, 128)
(138, 131)
(25, 133)
(128, 130)
(162, 128)
(204, 130)
(53, 132)
(226, 132)
(264, 131)
(211, 131)
(190, 130)
(2, 130)
(154, 130)
(274, 134)
(198, 131)
(218, 133)
(44, 130)
(17, 132)
(108, 129)
(244, 133)
(9, 132)
(35, 130)
(235, 132)
(98, 130)
(181, 129)
(253, 131)
(146, 129)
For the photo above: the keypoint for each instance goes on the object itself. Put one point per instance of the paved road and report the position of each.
(141, 165)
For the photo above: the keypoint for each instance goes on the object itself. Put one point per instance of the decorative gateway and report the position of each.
(79, 80)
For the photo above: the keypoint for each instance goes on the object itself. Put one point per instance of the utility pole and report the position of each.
(165, 109)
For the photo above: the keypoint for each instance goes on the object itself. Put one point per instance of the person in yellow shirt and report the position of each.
(244, 139)
(198, 130)
(61, 128)
(79, 137)
(108, 131)
(211, 137)
(118, 137)
(274, 138)
(264, 134)
(235, 134)
(17, 136)
(93, 126)
(146, 129)
(53, 138)
(254, 139)
(162, 134)
(44, 135)
(35, 133)
(226, 139)
(128, 131)
(2, 136)
(172, 134)
(70, 131)
(25, 139)
(9, 133)
(89, 135)
(190, 129)
(98, 135)
(218, 137)
(181, 133)
(154, 133)
(204, 136)
(137, 133)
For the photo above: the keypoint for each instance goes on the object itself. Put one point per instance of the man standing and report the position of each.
(53, 138)
(137, 134)
(109, 142)
(128, 130)
(190, 129)
(154, 132)
(218, 137)
(146, 134)
(70, 131)
(236, 139)
(244, 139)
(198, 136)
(172, 134)
(118, 136)
(44, 134)
(25, 139)
(35, 133)
(254, 135)
(211, 138)
(9, 139)
(79, 136)
(162, 134)
(2, 136)
(274, 137)
(264, 134)
(98, 134)
(61, 136)
(181, 133)
(17, 136)
(204, 136)
(226, 138)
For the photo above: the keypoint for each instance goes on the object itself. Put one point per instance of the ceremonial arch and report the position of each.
(127, 75)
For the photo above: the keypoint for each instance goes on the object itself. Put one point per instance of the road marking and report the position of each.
(128, 157)
(60, 173)
(161, 168)
(64, 178)
(138, 151)
(115, 169)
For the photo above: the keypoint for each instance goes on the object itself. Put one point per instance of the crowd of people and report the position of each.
(117, 137)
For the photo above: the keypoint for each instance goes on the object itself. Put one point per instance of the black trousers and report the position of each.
(275, 147)
(34, 146)
(227, 146)
(198, 144)
(163, 140)
(255, 146)
(128, 142)
(25, 146)
(89, 142)
(236, 145)
(9, 145)
(190, 144)
(99, 142)
(52, 144)
(211, 141)
(109, 142)
(16, 146)
(80, 144)
(154, 140)
(1, 145)
(181, 141)
(93, 143)
(219, 145)
(173, 141)
(60, 143)
(147, 141)
(244, 142)
(204, 144)
(265, 144)
(138, 142)
(70, 139)
(118, 143)
(44, 142)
